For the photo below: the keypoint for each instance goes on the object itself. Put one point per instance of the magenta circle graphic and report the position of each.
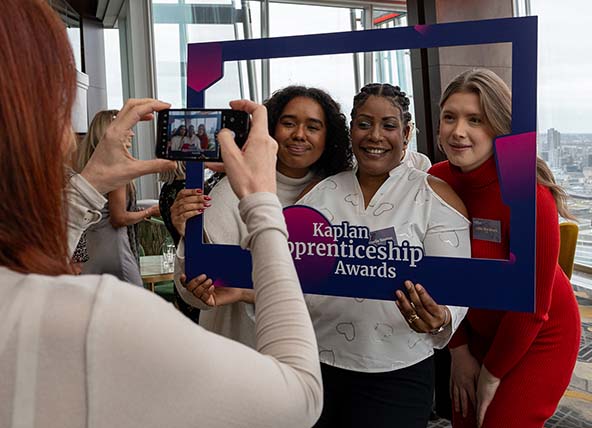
(313, 270)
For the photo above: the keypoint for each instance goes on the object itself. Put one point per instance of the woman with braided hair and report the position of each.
(377, 363)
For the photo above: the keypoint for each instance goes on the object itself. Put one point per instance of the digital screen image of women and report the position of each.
(194, 132)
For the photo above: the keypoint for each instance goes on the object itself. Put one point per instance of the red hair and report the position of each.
(37, 91)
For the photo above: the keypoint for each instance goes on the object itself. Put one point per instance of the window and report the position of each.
(333, 73)
(177, 23)
(564, 108)
(113, 68)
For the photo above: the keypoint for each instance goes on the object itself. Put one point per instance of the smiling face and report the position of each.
(300, 132)
(182, 131)
(378, 137)
(190, 131)
(465, 135)
(201, 129)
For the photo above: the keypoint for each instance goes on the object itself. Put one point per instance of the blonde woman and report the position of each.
(509, 369)
(112, 243)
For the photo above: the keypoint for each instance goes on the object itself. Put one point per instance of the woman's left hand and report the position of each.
(486, 388)
(422, 313)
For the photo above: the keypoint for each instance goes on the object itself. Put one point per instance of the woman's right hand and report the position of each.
(112, 166)
(188, 204)
(202, 287)
(251, 169)
(463, 379)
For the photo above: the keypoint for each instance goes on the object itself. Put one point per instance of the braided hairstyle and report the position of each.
(337, 156)
(392, 93)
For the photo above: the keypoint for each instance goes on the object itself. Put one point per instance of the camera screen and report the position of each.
(192, 134)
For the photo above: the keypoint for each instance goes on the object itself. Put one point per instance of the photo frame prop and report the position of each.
(483, 283)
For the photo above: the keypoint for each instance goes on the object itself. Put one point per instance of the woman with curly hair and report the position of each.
(313, 143)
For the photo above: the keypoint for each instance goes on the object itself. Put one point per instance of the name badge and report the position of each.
(379, 237)
(487, 230)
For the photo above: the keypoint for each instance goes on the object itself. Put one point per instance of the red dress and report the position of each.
(532, 353)
(203, 141)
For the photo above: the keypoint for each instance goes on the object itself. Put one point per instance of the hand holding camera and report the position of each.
(251, 169)
(111, 165)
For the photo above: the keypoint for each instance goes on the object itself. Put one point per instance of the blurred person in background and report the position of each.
(112, 243)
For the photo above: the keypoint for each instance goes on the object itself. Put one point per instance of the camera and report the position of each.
(192, 134)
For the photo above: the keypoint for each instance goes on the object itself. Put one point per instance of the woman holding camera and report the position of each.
(89, 350)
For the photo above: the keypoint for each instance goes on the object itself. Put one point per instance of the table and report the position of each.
(153, 270)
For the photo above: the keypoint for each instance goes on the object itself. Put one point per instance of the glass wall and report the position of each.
(394, 67)
(334, 73)
(178, 22)
(113, 68)
(564, 108)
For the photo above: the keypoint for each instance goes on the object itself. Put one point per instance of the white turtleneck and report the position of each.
(223, 225)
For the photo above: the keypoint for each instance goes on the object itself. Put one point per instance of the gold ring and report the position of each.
(412, 318)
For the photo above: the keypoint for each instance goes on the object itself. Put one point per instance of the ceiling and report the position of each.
(87, 8)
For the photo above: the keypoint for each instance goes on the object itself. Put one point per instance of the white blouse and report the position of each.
(371, 335)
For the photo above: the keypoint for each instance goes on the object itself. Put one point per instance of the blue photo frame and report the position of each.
(482, 283)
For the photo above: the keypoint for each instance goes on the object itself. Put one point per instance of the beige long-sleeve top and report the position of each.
(90, 351)
(223, 225)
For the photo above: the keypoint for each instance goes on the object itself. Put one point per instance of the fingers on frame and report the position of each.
(426, 316)
(404, 304)
(180, 209)
(427, 300)
(196, 282)
(186, 193)
(189, 214)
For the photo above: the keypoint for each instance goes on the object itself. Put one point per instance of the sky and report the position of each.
(565, 65)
